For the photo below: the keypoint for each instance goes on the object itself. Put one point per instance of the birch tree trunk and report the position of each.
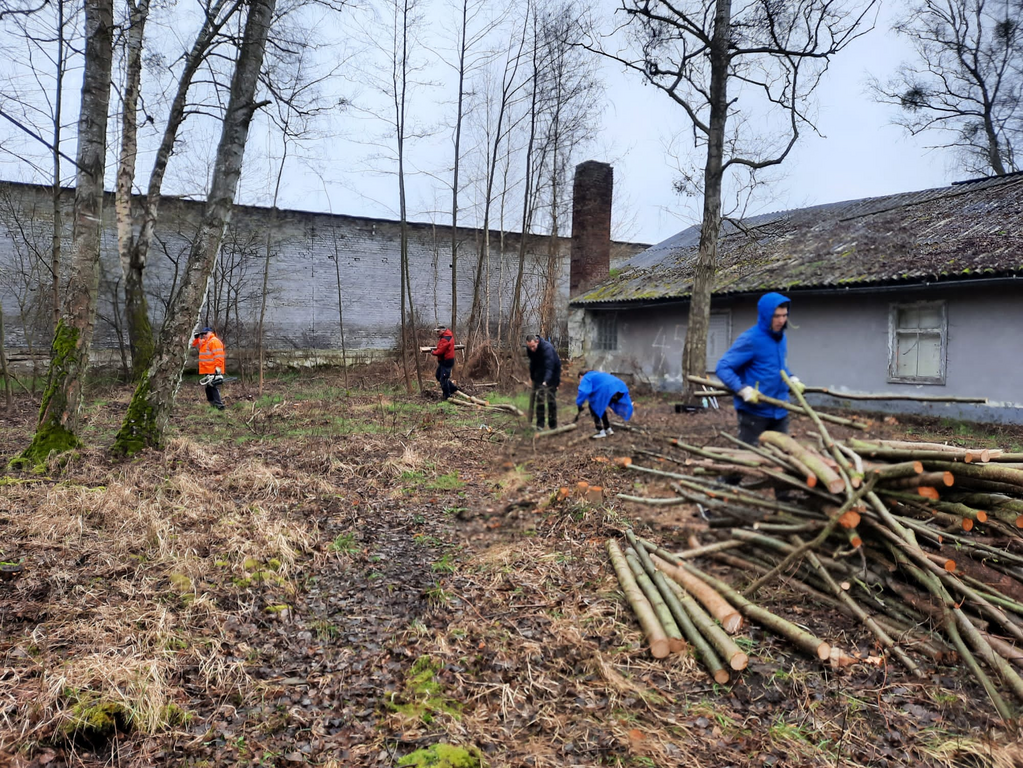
(694, 352)
(145, 424)
(57, 430)
(134, 251)
(58, 214)
(140, 332)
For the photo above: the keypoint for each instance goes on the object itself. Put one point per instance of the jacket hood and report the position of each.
(765, 309)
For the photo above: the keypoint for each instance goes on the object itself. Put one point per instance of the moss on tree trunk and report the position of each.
(55, 434)
(139, 429)
(140, 331)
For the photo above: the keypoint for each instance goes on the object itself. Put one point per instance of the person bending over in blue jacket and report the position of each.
(603, 391)
(752, 367)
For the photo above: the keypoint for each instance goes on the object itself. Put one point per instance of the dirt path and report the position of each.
(342, 580)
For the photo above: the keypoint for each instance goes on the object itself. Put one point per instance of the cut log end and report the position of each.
(855, 541)
(950, 566)
(981, 516)
(948, 479)
(824, 651)
(928, 493)
(722, 676)
(733, 623)
(676, 644)
(1019, 521)
(738, 661)
(918, 467)
(967, 524)
(849, 519)
(835, 486)
(811, 481)
(659, 648)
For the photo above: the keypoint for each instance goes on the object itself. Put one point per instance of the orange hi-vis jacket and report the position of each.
(211, 354)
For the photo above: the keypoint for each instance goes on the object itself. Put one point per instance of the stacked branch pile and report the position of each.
(922, 543)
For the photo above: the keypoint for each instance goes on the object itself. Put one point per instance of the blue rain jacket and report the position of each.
(599, 388)
(756, 359)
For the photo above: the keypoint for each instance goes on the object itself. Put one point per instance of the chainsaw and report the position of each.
(215, 379)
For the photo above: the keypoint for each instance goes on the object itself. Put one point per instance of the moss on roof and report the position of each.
(966, 231)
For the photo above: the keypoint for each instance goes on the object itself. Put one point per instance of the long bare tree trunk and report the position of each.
(694, 352)
(57, 430)
(528, 194)
(140, 332)
(149, 412)
(3, 367)
(458, 159)
(58, 214)
(134, 251)
(479, 316)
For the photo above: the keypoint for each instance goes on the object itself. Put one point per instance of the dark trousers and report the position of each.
(545, 403)
(600, 420)
(444, 369)
(752, 426)
(213, 396)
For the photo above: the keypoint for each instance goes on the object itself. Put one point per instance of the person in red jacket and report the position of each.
(211, 364)
(445, 354)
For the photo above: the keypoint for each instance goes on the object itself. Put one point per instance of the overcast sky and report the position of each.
(859, 155)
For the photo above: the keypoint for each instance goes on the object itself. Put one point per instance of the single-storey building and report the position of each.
(915, 293)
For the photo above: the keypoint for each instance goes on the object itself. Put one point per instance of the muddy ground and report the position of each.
(343, 577)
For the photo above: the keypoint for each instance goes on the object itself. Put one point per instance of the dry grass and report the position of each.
(128, 586)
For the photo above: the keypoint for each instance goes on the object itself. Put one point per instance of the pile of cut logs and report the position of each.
(919, 542)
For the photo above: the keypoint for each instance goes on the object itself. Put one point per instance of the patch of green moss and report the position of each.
(444, 756)
(251, 564)
(180, 582)
(276, 609)
(52, 434)
(173, 715)
(95, 720)
(421, 697)
(139, 430)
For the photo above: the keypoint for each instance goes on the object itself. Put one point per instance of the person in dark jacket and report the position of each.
(545, 373)
(445, 354)
(603, 391)
(752, 367)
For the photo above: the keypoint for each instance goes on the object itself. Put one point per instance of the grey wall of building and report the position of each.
(310, 253)
(841, 341)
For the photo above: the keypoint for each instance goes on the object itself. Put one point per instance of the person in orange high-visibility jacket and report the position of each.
(211, 364)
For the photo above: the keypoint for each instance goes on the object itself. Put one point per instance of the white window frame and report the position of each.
(727, 314)
(605, 337)
(893, 333)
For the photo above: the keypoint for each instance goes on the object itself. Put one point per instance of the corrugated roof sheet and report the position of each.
(969, 230)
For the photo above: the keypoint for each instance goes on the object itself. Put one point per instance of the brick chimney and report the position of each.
(591, 225)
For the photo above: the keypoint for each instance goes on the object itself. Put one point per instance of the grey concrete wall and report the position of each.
(309, 252)
(841, 341)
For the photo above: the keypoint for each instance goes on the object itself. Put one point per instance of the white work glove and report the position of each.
(749, 394)
(797, 385)
(217, 379)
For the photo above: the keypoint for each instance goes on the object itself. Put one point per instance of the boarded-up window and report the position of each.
(917, 338)
(718, 337)
(607, 332)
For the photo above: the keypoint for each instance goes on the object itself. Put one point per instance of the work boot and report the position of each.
(609, 431)
(601, 433)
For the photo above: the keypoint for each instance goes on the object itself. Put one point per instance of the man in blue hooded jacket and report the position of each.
(603, 391)
(752, 367)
